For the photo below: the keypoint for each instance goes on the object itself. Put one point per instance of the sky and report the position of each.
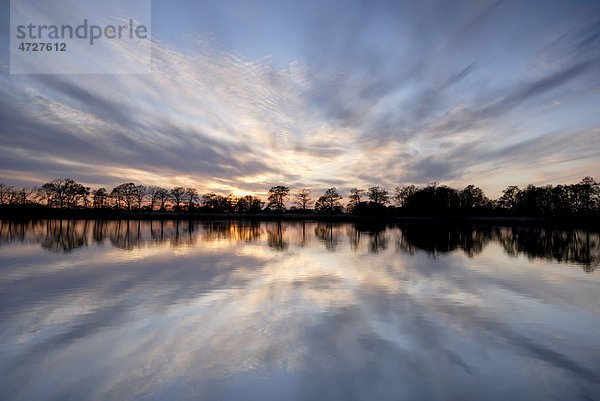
(247, 95)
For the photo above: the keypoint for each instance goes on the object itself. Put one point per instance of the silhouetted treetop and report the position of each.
(580, 199)
(329, 202)
(277, 198)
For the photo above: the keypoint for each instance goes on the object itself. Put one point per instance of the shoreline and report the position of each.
(35, 213)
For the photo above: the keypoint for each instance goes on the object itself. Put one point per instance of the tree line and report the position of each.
(578, 199)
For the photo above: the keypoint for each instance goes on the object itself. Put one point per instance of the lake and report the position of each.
(246, 310)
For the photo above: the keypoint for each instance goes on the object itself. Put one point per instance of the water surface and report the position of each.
(129, 310)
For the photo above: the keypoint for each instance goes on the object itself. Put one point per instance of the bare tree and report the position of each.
(23, 195)
(303, 198)
(3, 194)
(354, 198)
(217, 203)
(12, 195)
(74, 193)
(249, 204)
(401, 194)
(59, 189)
(162, 196)
(65, 192)
(124, 193)
(329, 202)
(191, 197)
(153, 193)
(140, 193)
(99, 198)
(378, 195)
(177, 195)
(117, 198)
(277, 197)
(46, 192)
(82, 195)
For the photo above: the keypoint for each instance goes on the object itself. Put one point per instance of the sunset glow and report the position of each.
(488, 93)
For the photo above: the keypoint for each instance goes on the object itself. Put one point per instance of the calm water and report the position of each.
(286, 311)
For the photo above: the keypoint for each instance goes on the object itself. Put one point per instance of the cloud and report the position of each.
(474, 117)
(314, 311)
(385, 94)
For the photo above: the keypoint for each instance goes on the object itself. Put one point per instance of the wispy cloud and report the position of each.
(385, 95)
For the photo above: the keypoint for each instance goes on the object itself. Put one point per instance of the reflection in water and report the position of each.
(571, 246)
(225, 310)
(275, 234)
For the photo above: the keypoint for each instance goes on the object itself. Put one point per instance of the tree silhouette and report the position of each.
(303, 198)
(124, 194)
(191, 197)
(60, 192)
(231, 203)
(510, 198)
(581, 199)
(586, 194)
(140, 193)
(46, 192)
(472, 197)
(277, 198)
(59, 189)
(162, 196)
(4, 194)
(402, 194)
(354, 198)
(329, 202)
(99, 198)
(217, 203)
(378, 195)
(177, 195)
(153, 193)
(12, 195)
(83, 193)
(249, 204)
(434, 199)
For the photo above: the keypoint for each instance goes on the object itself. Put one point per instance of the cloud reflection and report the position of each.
(267, 310)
